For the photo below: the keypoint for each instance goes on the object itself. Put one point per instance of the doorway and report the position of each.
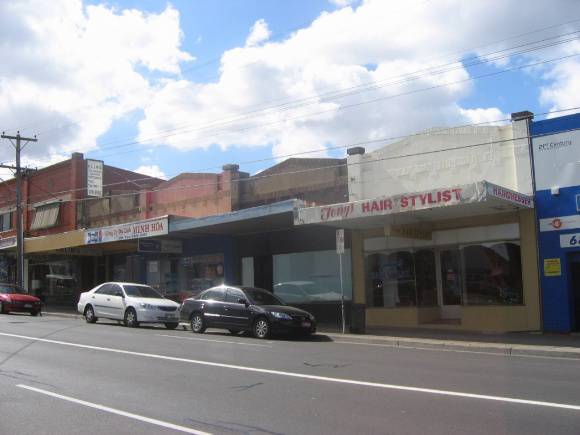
(574, 276)
(450, 283)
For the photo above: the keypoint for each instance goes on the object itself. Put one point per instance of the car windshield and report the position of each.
(261, 297)
(9, 290)
(141, 291)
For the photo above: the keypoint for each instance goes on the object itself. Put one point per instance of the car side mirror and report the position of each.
(243, 301)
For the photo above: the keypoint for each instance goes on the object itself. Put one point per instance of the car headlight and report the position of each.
(310, 316)
(147, 306)
(283, 316)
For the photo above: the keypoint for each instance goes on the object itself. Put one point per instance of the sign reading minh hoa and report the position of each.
(470, 193)
(128, 231)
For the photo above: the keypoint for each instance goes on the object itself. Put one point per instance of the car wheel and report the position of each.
(90, 315)
(2, 308)
(234, 331)
(34, 313)
(131, 318)
(198, 323)
(171, 325)
(261, 328)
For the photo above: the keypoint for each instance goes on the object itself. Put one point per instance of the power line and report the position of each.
(360, 143)
(375, 100)
(350, 91)
(309, 170)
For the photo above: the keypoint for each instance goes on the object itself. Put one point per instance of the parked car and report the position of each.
(245, 309)
(128, 302)
(15, 299)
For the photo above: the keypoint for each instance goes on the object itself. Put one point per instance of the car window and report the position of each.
(141, 291)
(115, 290)
(234, 295)
(260, 296)
(103, 290)
(9, 290)
(213, 295)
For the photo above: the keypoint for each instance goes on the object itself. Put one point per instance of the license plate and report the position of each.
(27, 305)
(306, 324)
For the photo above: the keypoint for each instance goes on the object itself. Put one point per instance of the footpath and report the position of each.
(509, 344)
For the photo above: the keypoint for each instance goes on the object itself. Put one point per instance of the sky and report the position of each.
(190, 85)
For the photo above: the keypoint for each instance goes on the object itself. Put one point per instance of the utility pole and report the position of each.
(16, 142)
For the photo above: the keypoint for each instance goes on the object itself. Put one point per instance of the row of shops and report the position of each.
(448, 229)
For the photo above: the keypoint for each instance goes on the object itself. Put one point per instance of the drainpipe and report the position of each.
(527, 117)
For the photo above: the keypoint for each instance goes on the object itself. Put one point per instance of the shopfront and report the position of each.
(459, 257)
(556, 144)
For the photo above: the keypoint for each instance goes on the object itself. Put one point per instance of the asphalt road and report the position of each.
(63, 376)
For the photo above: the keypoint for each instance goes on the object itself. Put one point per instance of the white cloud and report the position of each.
(342, 3)
(151, 170)
(258, 33)
(70, 71)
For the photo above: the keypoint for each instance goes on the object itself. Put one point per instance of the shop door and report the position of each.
(574, 277)
(450, 283)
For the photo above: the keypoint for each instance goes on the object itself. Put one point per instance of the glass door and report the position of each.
(451, 283)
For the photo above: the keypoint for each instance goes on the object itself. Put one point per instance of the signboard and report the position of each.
(466, 194)
(408, 232)
(560, 223)
(128, 231)
(570, 240)
(340, 241)
(552, 267)
(94, 178)
(556, 159)
(160, 246)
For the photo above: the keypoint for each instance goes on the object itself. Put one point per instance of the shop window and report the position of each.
(391, 279)
(200, 272)
(45, 216)
(6, 221)
(311, 277)
(493, 274)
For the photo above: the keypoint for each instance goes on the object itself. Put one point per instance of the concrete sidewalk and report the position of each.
(512, 344)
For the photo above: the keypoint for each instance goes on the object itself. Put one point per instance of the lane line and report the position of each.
(307, 376)
(116, 411)
(500, 354)
(212, 340)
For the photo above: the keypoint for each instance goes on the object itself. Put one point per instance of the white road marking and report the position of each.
(502, 354)
(212, 340)
(307, 376)
(117, 411)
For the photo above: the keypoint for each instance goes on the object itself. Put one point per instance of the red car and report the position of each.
(13, 298)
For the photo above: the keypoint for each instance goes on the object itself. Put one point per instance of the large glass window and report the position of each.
(493, 273)
(392, 279)
(311, 277)
(478, 274)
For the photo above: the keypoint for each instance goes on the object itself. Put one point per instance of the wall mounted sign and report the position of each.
(570, 240)
(94, 178)
(552, 267)
(560, 223)
(160, 246)
(128, 231)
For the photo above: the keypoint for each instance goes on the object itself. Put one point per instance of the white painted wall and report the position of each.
(504, 162)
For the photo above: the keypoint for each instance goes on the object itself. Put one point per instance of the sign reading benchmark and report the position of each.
(128, 231)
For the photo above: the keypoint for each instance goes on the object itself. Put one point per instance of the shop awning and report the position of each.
(278, 215)
(480, 198)
(69, 239)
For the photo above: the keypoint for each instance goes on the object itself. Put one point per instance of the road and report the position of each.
(63, 376)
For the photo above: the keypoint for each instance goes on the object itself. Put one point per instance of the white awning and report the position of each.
(45, 216)
(473, 199)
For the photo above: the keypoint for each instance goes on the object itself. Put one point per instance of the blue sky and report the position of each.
(169, 87)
